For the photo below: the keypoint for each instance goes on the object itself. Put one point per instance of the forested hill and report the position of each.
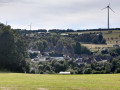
(78, 59)
(58, 43)
(83, 61)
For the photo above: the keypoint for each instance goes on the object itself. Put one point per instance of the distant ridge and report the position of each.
(63, 30)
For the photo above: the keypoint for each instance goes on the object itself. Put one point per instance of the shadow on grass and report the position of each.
(5, 71)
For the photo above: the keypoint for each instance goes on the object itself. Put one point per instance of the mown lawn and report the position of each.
(14, 81)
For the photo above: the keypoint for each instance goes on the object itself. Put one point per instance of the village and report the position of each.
(79, 60)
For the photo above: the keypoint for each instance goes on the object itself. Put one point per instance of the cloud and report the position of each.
(58, 13)
(9, 1)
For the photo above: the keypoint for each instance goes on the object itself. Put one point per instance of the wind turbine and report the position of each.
(109, 8)
(30, 26)
(6, 23)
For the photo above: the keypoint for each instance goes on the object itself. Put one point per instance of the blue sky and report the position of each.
(59, 14)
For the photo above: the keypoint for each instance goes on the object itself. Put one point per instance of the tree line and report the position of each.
(62, 30)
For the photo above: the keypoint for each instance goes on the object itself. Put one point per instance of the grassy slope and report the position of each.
(115, 35)
(13, 81)
(111, 39)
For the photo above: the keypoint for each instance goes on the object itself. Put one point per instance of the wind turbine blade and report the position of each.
(104, 8)
(111, 9)
(109, 4)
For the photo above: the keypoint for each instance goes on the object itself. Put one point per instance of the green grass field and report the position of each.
(96, 47)
(14, 81)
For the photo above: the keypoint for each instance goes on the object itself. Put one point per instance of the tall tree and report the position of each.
(13, 50)
(78, 48)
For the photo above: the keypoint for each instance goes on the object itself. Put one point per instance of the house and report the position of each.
(102, 58)
(64, 73)
(67, 57)
(64, 34)
(79, 61)
(57, 56)
(42, 59)
(45, 53)
(34, 51)
(104, 49)
(117, 45)
(39, 59)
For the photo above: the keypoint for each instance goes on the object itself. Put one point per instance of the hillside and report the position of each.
(66, 51)
(51, 53)
(111, 36)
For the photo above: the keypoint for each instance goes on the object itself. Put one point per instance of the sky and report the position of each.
(59, 14)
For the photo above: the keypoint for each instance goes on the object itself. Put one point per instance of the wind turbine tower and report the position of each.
(6, 23)
(30, 26)
(108, 8)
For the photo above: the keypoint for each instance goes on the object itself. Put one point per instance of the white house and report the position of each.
(64, 73)
(33, 51)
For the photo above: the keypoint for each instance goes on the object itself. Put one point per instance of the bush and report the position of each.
(33, 71)
(87, 71)
(98, 72)
(117, 70)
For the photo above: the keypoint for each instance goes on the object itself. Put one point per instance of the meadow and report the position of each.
(97, 45)
(112, 37)
(17, 81)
